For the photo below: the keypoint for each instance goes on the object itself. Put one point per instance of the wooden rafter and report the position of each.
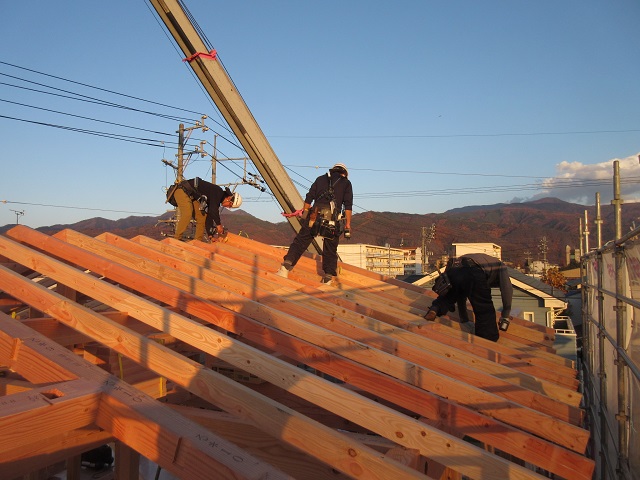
(513, 395)
(178, 444)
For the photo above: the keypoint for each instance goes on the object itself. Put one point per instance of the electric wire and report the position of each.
(144, 141)
(365, 195)
(102, 102)
(459, 135)
(572, 184)
(101, 89)
(71, 207)
(85, 98)
(88, 99)
(84, 118)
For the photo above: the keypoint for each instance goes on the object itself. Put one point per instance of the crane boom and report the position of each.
(232, 107)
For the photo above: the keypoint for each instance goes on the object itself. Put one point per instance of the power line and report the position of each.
(457, 135)
(84, 98)
(84, 118)
(126, 138)
(574, 183)
(71, 207)
(101, 89)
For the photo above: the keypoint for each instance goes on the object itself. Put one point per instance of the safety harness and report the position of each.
(328, 223)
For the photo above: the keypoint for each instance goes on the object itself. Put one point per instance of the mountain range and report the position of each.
(523, 230)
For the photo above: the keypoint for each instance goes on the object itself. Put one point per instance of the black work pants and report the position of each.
(303, 240)
(471, 283)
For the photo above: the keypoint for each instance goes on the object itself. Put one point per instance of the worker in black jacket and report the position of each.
(199, 199)
(471, 277)
(327, 212)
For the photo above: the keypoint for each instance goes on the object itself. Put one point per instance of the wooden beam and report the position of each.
(532, 354)
(407, 346)
(279, 420)
(391, 365)
(470, 354)
(151, 428)
(285, 457)
(469, 342)
(478, 347)
(413, 435)
(381, 285)
(129, 303)
(127, 461)
(20, 461)
(403, 301)
(192, 303)
(57, 408)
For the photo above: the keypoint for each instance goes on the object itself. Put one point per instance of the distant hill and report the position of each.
(517, 227)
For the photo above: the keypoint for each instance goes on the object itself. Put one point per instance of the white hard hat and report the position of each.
(341, 168)
(236, 200)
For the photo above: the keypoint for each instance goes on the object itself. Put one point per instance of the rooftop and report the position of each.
(199, 357)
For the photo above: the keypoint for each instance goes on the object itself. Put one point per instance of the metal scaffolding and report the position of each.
(611, 350)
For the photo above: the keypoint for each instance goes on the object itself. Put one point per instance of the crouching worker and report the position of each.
(327, 213)
(199, 199)
(471, 277)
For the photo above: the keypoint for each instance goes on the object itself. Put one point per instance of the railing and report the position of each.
(563, 324)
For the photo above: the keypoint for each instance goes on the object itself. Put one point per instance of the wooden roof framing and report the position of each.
(349, 380)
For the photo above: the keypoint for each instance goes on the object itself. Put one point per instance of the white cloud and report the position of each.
(578, 183)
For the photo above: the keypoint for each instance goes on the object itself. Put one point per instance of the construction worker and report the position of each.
(199, 199)
(326, 212)
(472, 276)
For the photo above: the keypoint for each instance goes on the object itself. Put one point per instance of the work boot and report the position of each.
(283, 272)
(430, 316)
(327, 279)
(285, 268)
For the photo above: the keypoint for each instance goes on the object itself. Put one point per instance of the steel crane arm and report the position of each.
(232, 107)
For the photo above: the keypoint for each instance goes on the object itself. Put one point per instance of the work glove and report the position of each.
(298, 213)
(503, 324)
(222, 236)
(347, 233)
(204, 204)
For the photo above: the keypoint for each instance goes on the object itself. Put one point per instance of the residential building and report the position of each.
(459, 249)
(383, 260)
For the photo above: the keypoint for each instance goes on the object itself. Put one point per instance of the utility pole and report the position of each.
(214, 159)
(180, 152)
(527, 257)
(179, 169)
(426, 240)
(18, 213)
(247, 177)
(543, 251)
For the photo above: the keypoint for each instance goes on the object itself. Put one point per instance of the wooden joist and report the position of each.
(232, 286)
(415, 349)
(403, 430)
(154, 430)
(390, 364)
(375, 292)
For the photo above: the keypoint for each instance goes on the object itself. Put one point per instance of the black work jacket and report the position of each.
(215, 195)
(319, 196)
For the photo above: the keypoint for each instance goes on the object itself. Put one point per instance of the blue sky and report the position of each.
(432, 105)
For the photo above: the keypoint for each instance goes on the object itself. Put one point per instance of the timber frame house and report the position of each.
(201, 359)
